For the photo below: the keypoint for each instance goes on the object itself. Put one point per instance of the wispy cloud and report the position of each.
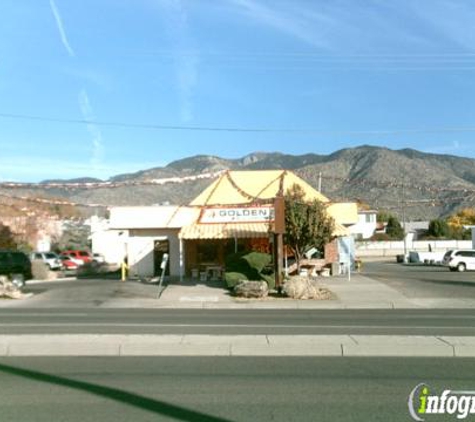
(62, 32)
(451, 19)
(88, 76)
(344, 25)
(299, 23)
(187, 75)
(97, 142)
(186, 56)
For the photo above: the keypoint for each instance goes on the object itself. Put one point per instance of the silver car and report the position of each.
(49, 258)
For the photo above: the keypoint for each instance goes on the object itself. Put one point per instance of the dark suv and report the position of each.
(16, 266)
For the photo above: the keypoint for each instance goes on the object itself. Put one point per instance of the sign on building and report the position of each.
(257, 214)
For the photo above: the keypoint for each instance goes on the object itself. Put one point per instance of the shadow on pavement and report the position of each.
(124, 397)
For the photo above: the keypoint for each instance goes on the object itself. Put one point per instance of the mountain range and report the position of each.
(418, 184)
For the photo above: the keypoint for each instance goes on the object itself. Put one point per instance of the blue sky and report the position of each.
(292, 76)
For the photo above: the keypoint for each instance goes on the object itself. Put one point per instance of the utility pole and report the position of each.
(404, 217)
(279, 230)
(320, 182)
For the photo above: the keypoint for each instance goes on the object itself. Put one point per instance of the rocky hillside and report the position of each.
(424, 185)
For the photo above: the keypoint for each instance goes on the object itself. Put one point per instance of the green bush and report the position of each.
(257, 260)
(233, 261)
(248, 266)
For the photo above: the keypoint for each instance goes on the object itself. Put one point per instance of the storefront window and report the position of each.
(207, 252)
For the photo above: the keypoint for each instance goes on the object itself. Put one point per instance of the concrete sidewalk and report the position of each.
(238, 345)
(360, 292)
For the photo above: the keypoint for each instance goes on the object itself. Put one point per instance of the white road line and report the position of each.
(25, 315)
(107, 324)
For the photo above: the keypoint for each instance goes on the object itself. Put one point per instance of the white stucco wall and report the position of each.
(140, 248)
(111, 244)
(364, 228)
(367, 248)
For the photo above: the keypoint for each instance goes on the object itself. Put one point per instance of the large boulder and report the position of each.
(304, 288)
(251, 289)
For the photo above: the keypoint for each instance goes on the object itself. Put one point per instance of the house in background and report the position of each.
(415, 228)
(366, 225)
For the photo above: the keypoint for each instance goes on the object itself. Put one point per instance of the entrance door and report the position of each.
(160, 248)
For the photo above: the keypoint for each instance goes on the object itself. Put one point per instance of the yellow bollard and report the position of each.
(124, 268)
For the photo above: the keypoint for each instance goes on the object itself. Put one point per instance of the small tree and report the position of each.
(394, 229)
(383, 216)
(439, 228)
(463, 217)
(75, 236)
(7, 239)
(306, 223)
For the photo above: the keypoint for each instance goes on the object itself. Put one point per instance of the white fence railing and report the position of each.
(393, 248)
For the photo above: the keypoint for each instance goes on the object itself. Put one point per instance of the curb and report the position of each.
(238, 345)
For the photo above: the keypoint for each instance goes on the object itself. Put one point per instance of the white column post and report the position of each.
(182, 261)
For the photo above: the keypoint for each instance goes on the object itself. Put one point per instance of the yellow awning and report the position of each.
(225, 231)
(239, 231)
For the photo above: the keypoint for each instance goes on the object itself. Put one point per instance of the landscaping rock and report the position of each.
(8, 290)
(251, 289)
(304, 288)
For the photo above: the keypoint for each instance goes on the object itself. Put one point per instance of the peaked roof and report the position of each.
(247, 187)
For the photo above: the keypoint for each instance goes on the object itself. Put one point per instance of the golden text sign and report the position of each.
(262, 214)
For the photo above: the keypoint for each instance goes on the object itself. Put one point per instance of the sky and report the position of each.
(103, 87)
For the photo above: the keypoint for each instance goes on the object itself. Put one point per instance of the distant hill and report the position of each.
(425, 185)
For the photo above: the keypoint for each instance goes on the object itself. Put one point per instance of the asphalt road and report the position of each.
(420, 281)
(221, 389)
(456, 322)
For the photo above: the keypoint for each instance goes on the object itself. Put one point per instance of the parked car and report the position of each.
(68, 263)
(49, 258)
(16, 266)
(460, 259)
(80, 257)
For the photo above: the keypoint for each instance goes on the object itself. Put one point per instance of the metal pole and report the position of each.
(349, 266)
(279, 248)
(404, 218)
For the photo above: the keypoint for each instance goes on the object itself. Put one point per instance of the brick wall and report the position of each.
(331, 252)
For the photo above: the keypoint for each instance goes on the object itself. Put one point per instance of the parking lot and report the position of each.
(422, 281)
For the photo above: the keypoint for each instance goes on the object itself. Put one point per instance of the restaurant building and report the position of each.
(235, 213)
